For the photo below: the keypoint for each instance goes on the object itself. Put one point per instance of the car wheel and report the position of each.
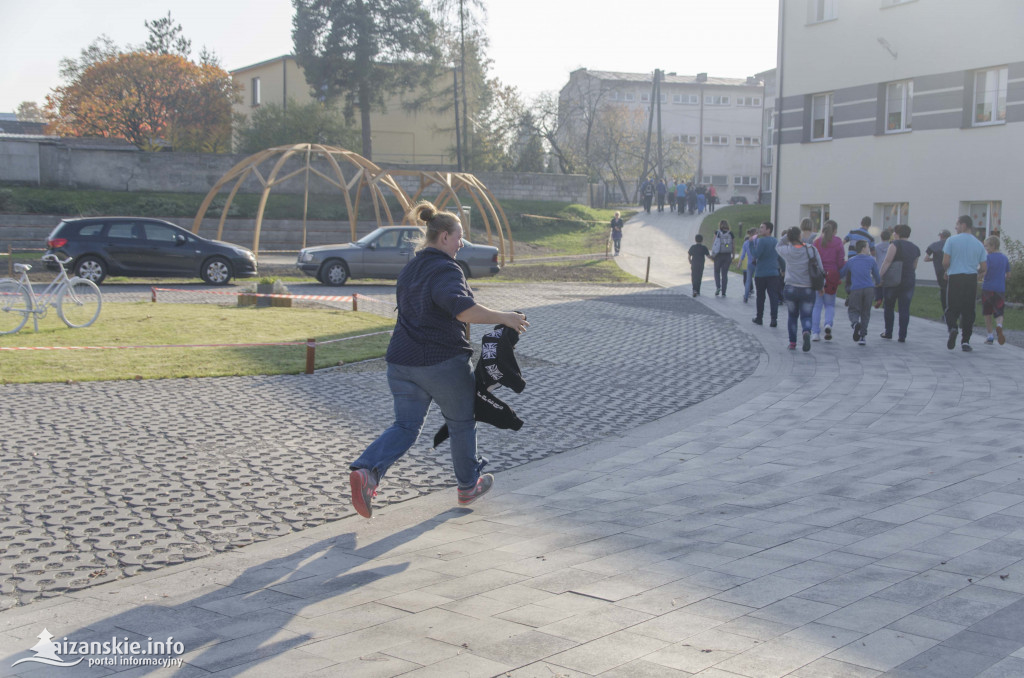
(334, 273)
(91, 268)
(465, 269)
(216, 271)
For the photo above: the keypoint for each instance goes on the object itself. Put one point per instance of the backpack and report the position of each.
(816, 274)
(725, 242)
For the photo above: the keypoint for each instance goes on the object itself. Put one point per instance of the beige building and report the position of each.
(903, 110)
(719, 119)
(399, 136)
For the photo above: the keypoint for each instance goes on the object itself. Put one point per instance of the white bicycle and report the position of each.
(78, 301)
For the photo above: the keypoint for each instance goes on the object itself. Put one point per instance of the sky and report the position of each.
(535, 44)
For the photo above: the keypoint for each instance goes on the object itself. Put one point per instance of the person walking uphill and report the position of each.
(723, 250)
(428, 359)
(833, 256)
(962, 255)
(798, 293)
(902, 254)
(617, 232)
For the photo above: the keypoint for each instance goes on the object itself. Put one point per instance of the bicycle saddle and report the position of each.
(22, 268)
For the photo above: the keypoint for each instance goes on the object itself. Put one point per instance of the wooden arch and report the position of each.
(450, 183)
(348, 171)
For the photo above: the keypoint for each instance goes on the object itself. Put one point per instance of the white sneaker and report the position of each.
(815, 337)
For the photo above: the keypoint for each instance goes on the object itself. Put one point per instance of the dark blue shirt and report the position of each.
(431, 291)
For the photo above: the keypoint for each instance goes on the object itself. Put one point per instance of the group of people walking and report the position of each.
(681, 196)
(804, 271)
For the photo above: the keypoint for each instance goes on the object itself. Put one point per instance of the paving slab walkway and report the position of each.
(851, 511)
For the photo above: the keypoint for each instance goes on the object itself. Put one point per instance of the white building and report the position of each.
(908, 111)
(727, 110)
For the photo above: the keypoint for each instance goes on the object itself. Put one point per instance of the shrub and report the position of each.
(1014, 250)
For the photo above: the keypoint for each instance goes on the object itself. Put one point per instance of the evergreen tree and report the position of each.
(165, 37)
(364, 50)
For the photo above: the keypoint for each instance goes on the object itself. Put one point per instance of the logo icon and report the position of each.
(46, 652)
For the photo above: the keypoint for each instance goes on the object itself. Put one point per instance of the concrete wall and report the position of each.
(51, 163)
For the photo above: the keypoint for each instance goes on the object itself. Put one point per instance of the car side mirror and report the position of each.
(372, 246)
(179, 239)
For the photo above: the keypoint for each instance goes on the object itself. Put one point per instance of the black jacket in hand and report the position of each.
(497, 366)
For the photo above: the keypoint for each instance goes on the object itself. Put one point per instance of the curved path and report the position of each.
(851, 511)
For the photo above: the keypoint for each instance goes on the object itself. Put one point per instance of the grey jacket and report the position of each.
(796, 258)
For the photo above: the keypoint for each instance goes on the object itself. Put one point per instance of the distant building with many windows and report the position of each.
(727, 110)
(907, 111)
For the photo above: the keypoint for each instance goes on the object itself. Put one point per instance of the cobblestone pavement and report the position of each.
(107, 479)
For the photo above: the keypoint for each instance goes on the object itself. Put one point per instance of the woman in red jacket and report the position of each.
(833, 257)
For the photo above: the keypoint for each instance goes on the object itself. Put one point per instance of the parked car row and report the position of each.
(144, 247)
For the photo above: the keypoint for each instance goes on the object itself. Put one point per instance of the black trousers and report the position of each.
(696, 273)
(961, 299)
(770, 285)
(722, 262)
(942, 292)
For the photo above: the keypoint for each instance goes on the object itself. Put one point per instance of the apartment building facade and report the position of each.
(419, 137)
(908, 111)
(718, 119)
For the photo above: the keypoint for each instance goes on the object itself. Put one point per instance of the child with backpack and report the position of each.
(722, 253)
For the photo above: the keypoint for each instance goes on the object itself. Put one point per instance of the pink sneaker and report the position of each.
(363, 491)
(483, 484)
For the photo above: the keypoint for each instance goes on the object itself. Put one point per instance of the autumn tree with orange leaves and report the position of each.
(150, 99)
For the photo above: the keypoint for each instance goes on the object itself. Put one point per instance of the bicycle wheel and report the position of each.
(15, 305)
(79, 303)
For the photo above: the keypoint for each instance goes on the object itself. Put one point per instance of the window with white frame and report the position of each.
(892, 213)
(645, 98)
(748, 141)
(744, 181)
(630, 96)
(748, 101)
(613, 95)
(256, 93)
(690, 139)
(685, 99)
(769, 156)
(822, 10)
(987, 216)
(818, 214)
(716, 100)
(663, 98)
(990, 96)
(821, 117)
(766, 182)
(715, 180)
(716, 140)
(899, 103)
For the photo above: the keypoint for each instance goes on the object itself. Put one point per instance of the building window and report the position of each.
(899, 99)
(716, 140)
(990, 96)
(690, 139)
(663, 98)
(987, 216)
(893, 213)
(748, 101)
(821, 117)
(256, 94)
(645, 98)
(685, 99)
(715, 100)
(744, 181)
(818, 214)
(630, 96)
(715, 180)
(613, 95)
(748, 141)
(769, 156)
(766, 182)
(822, 10)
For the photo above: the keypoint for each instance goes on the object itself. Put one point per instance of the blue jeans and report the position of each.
(800, 304)
(897, 297)
(451, 384)
(827, 302)
(748, 281)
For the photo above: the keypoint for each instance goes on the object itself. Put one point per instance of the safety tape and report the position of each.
(312, 297)
(103, 348)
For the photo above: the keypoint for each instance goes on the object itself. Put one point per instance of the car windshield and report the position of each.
(370, 237)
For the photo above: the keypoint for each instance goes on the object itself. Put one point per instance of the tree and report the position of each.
(275, 125)
(165, 37)
(149, 100)
(364, 50)
(29, 111)
(100, 49)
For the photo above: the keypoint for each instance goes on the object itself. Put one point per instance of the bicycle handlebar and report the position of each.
(54, 257)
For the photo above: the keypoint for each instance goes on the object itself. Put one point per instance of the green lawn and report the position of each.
(749, 215)
(148, 324)
(925, 304)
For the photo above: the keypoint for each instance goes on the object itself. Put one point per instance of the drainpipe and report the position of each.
(778, 114)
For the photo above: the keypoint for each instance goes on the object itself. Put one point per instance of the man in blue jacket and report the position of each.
(767, 278)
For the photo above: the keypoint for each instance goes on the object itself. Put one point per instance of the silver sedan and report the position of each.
(383, 253)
